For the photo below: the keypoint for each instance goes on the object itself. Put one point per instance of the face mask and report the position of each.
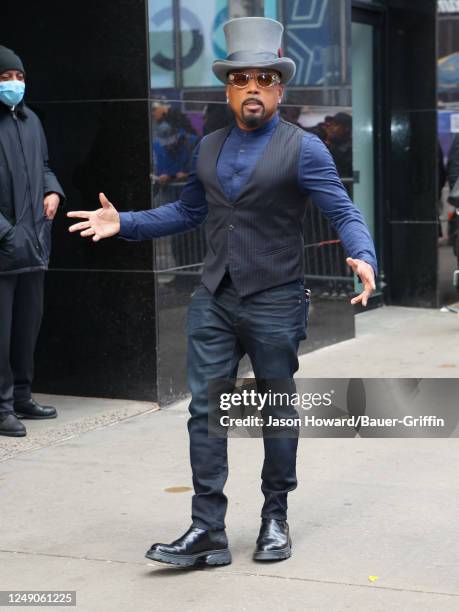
(11, 92)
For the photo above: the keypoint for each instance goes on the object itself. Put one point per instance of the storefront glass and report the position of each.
(187, 102)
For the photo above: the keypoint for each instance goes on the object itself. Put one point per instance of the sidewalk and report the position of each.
(80, 507)
(392, 342)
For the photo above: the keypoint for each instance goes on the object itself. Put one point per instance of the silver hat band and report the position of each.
(251, 56)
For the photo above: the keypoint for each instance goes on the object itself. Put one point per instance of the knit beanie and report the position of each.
(9, 60)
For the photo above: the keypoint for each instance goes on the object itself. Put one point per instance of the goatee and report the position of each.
(253, 121)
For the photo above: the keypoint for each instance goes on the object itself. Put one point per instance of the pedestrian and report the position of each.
(339, 133)
(452, 176)
(250, 180)
(29, 197)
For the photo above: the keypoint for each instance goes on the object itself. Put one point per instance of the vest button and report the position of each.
(230, 227)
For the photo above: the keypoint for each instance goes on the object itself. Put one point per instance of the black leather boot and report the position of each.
(274, 542)
(196, 547)
(10, 425)
(31, 410)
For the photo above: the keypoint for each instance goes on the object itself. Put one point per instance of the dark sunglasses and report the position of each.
(263, 79)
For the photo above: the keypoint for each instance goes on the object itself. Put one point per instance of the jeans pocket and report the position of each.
(290, 293)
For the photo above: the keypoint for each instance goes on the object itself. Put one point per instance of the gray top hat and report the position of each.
(254, 42)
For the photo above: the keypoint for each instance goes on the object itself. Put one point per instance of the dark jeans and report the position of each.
(21, 311)
(268, 326)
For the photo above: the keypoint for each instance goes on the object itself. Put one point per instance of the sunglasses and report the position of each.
(263, 79)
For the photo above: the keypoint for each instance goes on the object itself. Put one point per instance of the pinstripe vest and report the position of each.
(259, 236)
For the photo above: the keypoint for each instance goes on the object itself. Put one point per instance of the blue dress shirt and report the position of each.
(317, 178)
(239, 155)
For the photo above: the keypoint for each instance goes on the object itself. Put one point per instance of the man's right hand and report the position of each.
(101, 223)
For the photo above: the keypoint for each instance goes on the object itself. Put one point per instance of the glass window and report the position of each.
(448, 58)
(316, 37)
(186, 36)
(202, 40)
(162, 44)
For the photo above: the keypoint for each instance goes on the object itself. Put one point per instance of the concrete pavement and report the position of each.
(374, 521)
(392, 342)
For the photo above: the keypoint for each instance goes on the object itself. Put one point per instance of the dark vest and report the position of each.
(259, 236)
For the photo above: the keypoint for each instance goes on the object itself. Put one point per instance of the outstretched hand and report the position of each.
(367, 276)
(101, 223)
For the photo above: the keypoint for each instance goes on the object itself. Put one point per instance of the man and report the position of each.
(29, 197)
(339, 132)
(251, 180)
(452, 175)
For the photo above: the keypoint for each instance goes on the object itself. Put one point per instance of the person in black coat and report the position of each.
(29, 197)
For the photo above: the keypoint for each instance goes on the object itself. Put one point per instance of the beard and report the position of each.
(251, 119)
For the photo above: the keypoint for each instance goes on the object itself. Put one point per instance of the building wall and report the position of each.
(87, 78)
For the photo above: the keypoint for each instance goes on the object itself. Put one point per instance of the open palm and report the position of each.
(101, 223)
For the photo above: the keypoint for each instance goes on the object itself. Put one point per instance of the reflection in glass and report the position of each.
(316, 37)
(161, 38)
(448, 59)
(186, 36)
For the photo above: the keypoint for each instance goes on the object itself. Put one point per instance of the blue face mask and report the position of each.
(11, 92)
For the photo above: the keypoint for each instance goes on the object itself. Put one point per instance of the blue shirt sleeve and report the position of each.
(181, 216)
(318, 178)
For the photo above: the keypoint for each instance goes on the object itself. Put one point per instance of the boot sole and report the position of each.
(207, 557)
(13, 434)
(21, 415)
(273, 555)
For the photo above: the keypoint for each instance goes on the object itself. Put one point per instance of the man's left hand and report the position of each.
(367, 276)
(50, 204)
